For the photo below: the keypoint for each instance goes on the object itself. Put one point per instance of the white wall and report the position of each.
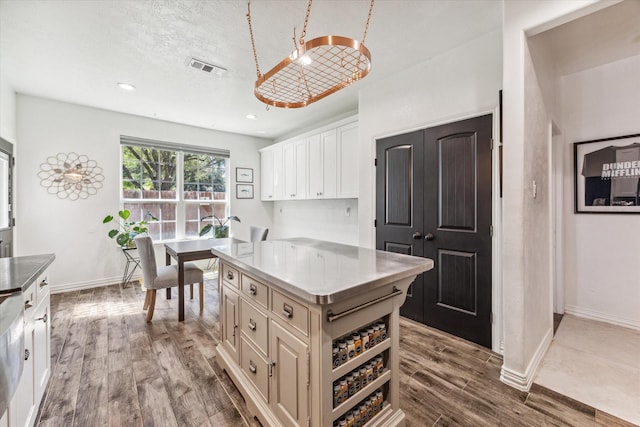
(7, 111)
(332, 220)
(525, 299)
(459, 83)
(73, 230)
(602, 251)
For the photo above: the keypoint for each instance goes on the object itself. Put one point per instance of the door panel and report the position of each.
(6, 199)
(458, 289)
(398, 168)
(457, 195)
(433, 199)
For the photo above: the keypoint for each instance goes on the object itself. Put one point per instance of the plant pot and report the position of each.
(221, 232)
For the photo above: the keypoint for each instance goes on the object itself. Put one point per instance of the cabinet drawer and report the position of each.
(293, 313)
(230, 275)
(42, 286)
(254, 325)
(256, 291)
(255, 368)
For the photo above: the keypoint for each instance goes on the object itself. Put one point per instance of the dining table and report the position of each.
(191, 250)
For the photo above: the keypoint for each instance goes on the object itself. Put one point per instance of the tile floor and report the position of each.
(597, 364)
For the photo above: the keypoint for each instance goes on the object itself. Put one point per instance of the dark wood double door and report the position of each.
(433, 199)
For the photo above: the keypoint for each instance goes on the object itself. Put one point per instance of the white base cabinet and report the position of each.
(278, 350)
(23, 408)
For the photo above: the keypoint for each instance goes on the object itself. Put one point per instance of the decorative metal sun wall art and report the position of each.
(71, 176)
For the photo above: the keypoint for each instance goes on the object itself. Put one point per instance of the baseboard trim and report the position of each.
(601, 317)
(522, 381)
(78, 286)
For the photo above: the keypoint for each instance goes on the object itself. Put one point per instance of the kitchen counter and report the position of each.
(18, 273)
(321, 272)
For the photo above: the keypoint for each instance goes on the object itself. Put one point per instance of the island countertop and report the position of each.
(321, 272)
(18, 273)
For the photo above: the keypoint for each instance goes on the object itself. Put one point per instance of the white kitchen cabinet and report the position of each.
(322, 165)
(24, 405)
(347, 161)
(271, 173)
(295, 169)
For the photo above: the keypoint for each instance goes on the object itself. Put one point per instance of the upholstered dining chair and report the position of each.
(164, 276)
(258, 233)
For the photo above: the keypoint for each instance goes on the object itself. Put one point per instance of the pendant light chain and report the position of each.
(253, 43)
(366, 27)
(306, 20)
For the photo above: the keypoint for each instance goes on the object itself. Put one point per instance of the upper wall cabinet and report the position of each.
(318, 165)
(347, 160)
(295, 169)
(271, 173)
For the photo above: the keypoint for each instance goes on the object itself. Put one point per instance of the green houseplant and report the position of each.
(127, 230)
(221, 229)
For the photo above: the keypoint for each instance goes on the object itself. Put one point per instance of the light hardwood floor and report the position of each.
(110, 368)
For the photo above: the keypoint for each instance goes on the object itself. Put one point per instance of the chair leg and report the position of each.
(191, 290)
(152, 305)
(146, 299)
(201, 297)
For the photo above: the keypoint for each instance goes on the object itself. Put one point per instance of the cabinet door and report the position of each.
(295, 170)
(347, 168)
(316, 172)
(329, 165)
(230, 320)
(266, 175)
(278, 173)
(41, 349)
(290, 381)
(21, 407)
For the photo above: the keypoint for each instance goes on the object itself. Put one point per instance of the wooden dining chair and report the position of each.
(164, 276)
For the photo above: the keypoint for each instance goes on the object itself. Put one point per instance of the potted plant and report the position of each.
(221, 229)
(127, 230)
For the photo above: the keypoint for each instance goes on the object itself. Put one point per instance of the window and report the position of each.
(180, 186)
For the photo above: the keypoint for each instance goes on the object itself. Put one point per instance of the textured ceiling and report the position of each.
(76, 51)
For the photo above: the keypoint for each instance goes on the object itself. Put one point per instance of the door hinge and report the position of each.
(375, 162)
(375, 222)
(13, 161)
(491, 317)
(491, 144)
(491, 230)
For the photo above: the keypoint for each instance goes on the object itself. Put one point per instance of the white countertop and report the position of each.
(321, 272)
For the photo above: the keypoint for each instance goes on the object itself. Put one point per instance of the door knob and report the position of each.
(429, 236)
(417, 235)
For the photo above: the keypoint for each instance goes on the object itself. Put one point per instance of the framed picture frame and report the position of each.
(244, 191)
(607, 175)
(244, 175)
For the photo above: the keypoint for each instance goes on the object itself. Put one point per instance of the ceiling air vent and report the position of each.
(206, 67)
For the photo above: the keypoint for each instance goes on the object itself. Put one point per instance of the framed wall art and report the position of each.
(244, 175)
(607, 175)
(244, 191)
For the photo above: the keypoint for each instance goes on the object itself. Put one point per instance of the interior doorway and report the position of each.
(434, 199)
(6, 199)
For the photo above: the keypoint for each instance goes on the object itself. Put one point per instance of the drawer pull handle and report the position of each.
(27, 353)
(252, 367)
(43, 318)
(27, 305)
(43, 284)
(230, 275)
(253, 289)
(287, 310)
(252, 325)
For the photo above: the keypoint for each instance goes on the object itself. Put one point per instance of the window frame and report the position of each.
(180, 202)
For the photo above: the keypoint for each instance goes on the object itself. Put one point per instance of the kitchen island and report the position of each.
(309, 330)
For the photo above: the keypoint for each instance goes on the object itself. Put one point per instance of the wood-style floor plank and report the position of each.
(111, 367)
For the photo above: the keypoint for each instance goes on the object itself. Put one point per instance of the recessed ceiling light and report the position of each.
(251, 116)
(126, 86)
